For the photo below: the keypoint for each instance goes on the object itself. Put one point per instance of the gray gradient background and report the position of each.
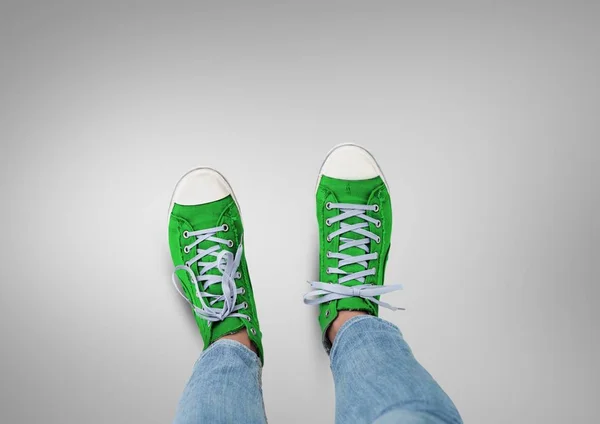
(483, 116)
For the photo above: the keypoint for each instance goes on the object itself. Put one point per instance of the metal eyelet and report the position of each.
(377, 240)
(230, 243)
(328, 222)
(238, 275)
(328, 254)
(378, 224)
(328, 238)
(186, 234)
(253, 331)
(243, 291)
(328, 271)
(244, 305)
(328, 206)
(248, 319)
(327, 313)
(186, 249)
(225, 228)
(376, 209)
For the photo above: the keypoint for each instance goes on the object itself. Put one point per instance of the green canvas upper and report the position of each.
(200, 217)
(361, 192)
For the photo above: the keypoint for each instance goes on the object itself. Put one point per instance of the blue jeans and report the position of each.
(377, 380)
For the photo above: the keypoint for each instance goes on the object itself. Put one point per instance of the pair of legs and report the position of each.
(377, 379)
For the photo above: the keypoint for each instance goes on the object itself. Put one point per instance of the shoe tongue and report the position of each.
(353, 192)
(201, 217)
(228, 326)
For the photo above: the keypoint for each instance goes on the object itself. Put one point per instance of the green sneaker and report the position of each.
(354, 213)
(206, 241)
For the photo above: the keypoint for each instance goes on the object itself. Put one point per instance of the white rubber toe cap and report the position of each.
(350, 162)
(199, 186)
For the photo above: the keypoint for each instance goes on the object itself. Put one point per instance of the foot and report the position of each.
(354, 213)
(206, 242)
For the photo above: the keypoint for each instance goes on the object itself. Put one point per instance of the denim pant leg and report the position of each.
(225, 387)
(378, 380)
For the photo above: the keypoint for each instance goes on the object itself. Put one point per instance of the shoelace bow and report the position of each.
(326, 292)
(226, 263)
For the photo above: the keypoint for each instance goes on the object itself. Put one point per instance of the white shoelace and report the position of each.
(326, 292)
(226, 263)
